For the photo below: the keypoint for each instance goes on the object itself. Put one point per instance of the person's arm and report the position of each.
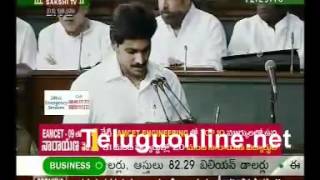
(45, 57)
(29, 48)
(237, 44)
(301, 48)
(215, 46)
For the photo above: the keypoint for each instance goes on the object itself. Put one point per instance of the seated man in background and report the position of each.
(271, 29)
(120, 88)
(73, 43)
(185, 32)
(26, 51)
(25, 145)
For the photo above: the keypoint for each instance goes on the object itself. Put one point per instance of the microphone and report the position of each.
(154, 83)
(164, 83)
(270, 67)
(292, 43)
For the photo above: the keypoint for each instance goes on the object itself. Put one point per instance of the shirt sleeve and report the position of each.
(29, 49)
(237, 43)
(216, 46)
(106, 47)
(45, 51)
(301, 49)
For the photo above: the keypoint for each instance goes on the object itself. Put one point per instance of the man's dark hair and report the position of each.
(132, 21)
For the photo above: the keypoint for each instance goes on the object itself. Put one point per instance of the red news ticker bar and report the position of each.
(180, 140)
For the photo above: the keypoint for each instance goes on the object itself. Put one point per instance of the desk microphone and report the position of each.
(161, 86)
(164, 83)
(270, 67)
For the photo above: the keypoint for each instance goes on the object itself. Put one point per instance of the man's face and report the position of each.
(270, 12)
(173, 11)
(74, 24)
(133, 57)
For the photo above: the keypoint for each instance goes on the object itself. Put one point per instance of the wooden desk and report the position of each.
(243, 97)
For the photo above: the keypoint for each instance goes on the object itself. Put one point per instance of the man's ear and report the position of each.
(115, 46)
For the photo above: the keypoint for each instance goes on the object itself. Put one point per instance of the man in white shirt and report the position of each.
(73, 43)
(186, 33)
(120, 88)
(270, 29)
(26, 44)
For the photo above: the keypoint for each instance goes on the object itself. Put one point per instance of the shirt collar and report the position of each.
(187, 18)
(111, 68)
(281, 24)
(112, 71)
(90, 23)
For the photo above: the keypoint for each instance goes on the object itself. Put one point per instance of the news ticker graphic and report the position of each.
(164, 166)
(65, 102)
(54, 7)
(57, 3)
(162, 139)
(162, 178)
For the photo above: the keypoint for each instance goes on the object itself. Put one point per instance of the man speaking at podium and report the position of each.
(124, 88)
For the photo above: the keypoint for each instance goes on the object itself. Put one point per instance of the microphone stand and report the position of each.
(291, 62)
(171, 103)
(191, 118)
(272, 106)
(155, 87)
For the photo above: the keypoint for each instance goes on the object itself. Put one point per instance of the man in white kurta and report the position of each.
(26, 44)
(114, 99)
(199, 39)
(120, 89)
(73, 43)
(253, 35)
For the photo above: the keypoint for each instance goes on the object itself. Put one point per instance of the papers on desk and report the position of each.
(194, 68)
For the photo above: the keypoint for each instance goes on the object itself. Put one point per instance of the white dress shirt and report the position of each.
(26, 44)
(73, 53)
(114, 99)
(202, 34)
(253, 35)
